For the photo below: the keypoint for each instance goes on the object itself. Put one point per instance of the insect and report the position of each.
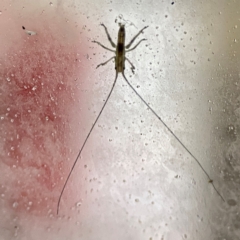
(120, 58)
(30, 33)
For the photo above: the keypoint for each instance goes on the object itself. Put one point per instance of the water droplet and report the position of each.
(15, 204)
(34, 88)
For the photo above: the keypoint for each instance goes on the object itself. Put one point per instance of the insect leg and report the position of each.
(108, 36)
(173, 134)
(136, 45)
(103, 46)
(89, 133)
(102, 64)
(132, 66)
(134, 38)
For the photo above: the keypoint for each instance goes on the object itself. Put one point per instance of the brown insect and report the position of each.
(120, 58)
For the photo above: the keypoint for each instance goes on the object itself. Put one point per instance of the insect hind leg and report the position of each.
(132, 66)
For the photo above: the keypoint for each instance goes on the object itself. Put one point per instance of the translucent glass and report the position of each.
(134, 179)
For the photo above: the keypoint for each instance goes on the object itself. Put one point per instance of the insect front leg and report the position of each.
(108, 36)
(134, 38)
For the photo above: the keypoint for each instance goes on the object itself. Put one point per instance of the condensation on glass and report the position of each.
(133, 179)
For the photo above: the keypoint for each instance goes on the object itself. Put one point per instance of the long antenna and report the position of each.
(174, 135)
(79, 153)
(119, 66)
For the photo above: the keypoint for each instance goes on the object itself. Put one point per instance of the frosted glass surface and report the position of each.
(133, 179)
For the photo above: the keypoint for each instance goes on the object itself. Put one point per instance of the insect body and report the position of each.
(120, 58)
